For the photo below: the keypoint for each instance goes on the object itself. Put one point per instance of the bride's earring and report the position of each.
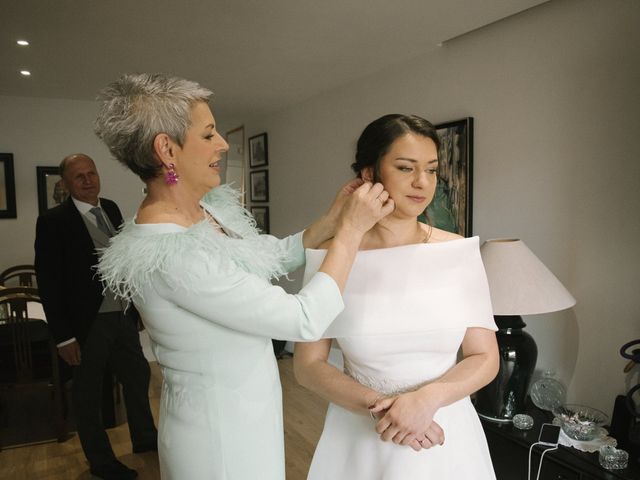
(171, 177)
(367, 174)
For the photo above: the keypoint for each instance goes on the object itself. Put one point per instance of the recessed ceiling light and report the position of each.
(22, 43)
(26, 73)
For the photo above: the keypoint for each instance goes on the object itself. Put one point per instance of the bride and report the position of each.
(416, 294)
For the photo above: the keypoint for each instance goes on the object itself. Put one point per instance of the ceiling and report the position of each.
(257, 55)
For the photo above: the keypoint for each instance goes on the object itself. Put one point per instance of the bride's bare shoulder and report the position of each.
(438, 235)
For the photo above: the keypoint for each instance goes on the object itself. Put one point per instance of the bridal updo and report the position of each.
(377, 137)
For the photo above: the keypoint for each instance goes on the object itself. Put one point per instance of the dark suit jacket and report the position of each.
(65, 263)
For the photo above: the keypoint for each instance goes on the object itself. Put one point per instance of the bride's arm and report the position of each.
(478, 367)
(411, 414)
(313, 371)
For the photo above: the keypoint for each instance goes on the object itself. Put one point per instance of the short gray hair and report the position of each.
(136, 108)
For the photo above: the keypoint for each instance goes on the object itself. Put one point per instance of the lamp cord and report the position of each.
(541, 458)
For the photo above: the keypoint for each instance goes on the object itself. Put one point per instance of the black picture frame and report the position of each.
(51, 191)
(261, 216)
(452, 205)
(235, 168)
(258, 150)
(259, 186)
(7, 187)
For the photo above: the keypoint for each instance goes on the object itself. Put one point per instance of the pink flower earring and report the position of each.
(171, 177)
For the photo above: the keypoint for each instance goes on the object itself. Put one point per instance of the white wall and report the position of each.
(554, 94)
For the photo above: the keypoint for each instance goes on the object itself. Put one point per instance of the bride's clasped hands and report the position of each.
(407, 419)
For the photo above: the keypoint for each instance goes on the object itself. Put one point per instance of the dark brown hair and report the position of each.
(377, 137)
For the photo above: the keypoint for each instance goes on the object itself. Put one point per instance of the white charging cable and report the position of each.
(541, 457)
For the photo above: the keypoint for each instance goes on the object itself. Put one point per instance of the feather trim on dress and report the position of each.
(224, 202)
(135, 255)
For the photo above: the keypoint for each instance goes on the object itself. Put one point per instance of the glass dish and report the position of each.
(523, 421)
(612, 458)
(548, 393)
(580, 422)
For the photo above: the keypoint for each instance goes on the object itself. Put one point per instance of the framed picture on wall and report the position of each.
(261, 215)
(258, 151)
(259, 186)
(234, 172)
(7, 187)
(51, 191)
(451, 206)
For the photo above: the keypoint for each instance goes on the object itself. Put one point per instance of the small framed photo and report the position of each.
(7, 187)
(235, 169)
(261, 215)
(258, 151)
(51, 191)
(259, 186)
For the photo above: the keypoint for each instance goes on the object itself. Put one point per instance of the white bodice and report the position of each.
(407, 310)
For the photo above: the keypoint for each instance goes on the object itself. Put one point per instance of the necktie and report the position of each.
(102, 224)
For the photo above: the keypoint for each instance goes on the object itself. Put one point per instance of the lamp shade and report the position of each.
(520, 284)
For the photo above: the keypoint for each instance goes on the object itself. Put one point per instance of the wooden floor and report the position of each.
(303, 418)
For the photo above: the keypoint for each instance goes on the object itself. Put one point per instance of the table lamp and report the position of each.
(520, 284)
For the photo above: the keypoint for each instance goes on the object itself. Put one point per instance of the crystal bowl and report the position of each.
(548, 393)
(580, 422)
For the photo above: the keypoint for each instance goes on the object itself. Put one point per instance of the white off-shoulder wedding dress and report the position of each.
(406, 313)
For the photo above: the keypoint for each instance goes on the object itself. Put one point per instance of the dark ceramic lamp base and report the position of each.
(505, 396)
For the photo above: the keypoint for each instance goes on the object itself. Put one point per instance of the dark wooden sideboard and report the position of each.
(509, 449)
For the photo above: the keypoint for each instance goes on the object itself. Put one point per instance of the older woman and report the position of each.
(197, 270)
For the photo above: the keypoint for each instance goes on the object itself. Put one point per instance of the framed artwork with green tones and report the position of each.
(451, 206)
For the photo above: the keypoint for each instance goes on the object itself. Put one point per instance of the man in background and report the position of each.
(90, 327)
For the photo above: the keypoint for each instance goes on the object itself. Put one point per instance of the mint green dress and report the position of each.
(210, 310)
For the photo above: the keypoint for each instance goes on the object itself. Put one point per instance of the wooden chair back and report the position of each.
(19, 276)
(19, 333)
(28, 354)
